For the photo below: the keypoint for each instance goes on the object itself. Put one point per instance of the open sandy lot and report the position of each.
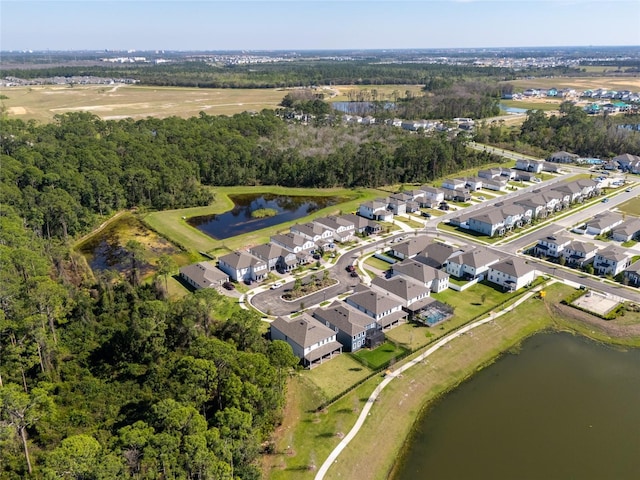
(596, 303)
(110, 102)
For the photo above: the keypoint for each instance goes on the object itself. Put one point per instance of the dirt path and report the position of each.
(100, 227)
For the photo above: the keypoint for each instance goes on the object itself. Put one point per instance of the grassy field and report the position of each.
(172, 223)
(340, 92)
(547, 105)
(108, 102)
(380, 356)
(311, 435)
(632, 207)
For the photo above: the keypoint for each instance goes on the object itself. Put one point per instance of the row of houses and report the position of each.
(282, 253)
(625, 162)
(405, 294)
(502, 217)
(611, 260)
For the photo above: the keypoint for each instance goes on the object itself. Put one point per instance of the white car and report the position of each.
(276, 285)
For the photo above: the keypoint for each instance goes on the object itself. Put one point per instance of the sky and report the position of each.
(309, 25)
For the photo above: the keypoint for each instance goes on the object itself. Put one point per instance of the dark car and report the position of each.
(228, 285)
(354, 274)
(426, 214)
(351, 268)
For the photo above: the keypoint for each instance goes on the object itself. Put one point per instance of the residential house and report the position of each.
(533, 203)
(626, 161)
(375, 210)
(472, 264)
(351, 325)
(410, 248)
(312, 231)
(570, 190)
(563, 157)
(385, 309)
(434, 279)
(489, 222)
(437, 254)
(490, 173)
(293, 242)
(311, 341)
(203, 275)
(552, 245)
(589, 187)
(418, 196)
(474, 183)
(603, 223)
(454, 183)
(242, 266)
(433, 196)
(511, 274)
(527, 165)
(578, 253)
(515, 215)
(276, 257)
(629, 230)
(497, 184)
(632, 274)
(413, 295)
(360, 224)
(457, 195)
(611, 261)
(396, 205)
(342, 229)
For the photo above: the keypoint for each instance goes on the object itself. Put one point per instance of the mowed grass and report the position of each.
(380, 356)
(172, 224)
(386, 92)
(632, 207)
(546, 105)
(335, 376)
(114, 102)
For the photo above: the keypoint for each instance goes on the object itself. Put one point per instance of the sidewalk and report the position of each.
(440, 343)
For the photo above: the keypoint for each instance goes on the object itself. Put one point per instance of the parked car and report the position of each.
(354, 274)
(426, 214)
(351, 268)
(276, 285)
(228, 285)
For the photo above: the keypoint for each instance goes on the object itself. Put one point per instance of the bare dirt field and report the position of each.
(109, 102)
(581, 83)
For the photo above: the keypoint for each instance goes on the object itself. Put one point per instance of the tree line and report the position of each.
(61, 177)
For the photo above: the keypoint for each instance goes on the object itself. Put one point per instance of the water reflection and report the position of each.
(239, 220)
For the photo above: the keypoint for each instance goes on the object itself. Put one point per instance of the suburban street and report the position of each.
(271, 302)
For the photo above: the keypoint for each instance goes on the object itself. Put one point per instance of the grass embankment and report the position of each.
(374, 451)
(172, 224)
(632, 207)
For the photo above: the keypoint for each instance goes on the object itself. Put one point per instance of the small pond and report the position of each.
(239, 220)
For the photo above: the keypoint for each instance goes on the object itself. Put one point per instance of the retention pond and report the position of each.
(563, 407)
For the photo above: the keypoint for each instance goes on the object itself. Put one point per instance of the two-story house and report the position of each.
(511, 274)
(472, 264)
(351, 325)
(342, 229)
(552, 245)
(312, 231)
(489, 222)
(375, 210)
(603, 223)
(436, 280)
(578, 253)
(611, 261)
(632, 274)
(311, 341)
(242, 266)
(410, 248)
(386, 310)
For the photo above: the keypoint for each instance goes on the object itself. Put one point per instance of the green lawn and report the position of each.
(632, 207)
(381, 356)
(172, 224)
(475, 300)
(377, 263)
(336, 375)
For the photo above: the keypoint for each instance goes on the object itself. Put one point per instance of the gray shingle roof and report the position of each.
(401, 287)
(374, 302)
(514, 267)
(303, 330)
(344, 317)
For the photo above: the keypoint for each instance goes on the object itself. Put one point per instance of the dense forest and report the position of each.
(278, 75)
(572, 130)
(100, 376)
(105, 380)
(60, 176)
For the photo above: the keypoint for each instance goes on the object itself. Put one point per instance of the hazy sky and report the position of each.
(306, 24)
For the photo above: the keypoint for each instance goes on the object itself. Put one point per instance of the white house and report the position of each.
(511, 274)
(611, 261)
(434, 279)
(472, 264)
(552, 245)
(293, 242)
(242, 266)
(534, 166)
(343, 230)
(312, 231)
(603, 223)
(579, 253)
(375, 210)
(384, 309)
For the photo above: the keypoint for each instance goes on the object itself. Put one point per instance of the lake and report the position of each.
(239, 220)
(563, 408)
